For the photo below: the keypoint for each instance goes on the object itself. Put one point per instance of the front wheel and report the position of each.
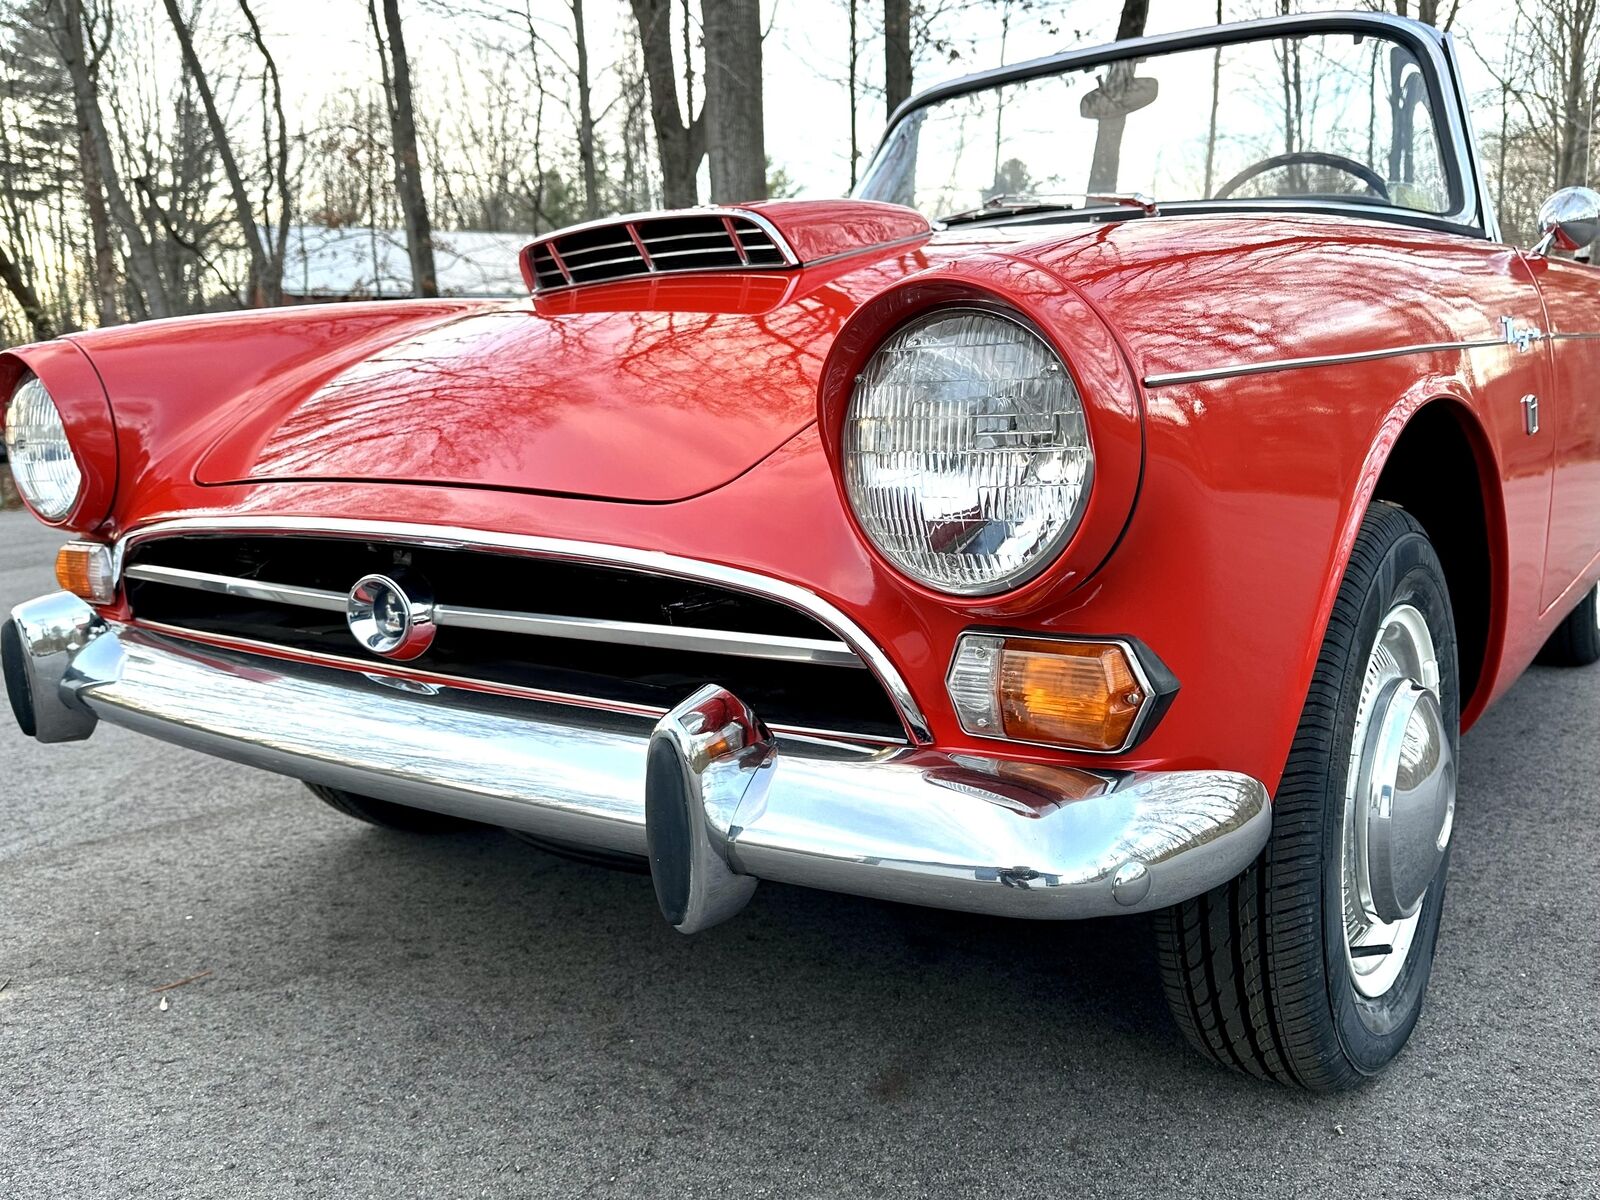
(1310, 968)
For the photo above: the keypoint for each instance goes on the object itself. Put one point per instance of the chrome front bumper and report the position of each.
(712, 798)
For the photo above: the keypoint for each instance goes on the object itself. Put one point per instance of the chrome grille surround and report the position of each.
(849, 647)
(627, 247)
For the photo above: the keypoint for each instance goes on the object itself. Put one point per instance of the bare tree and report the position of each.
(38, 179)
(1107, 163)
(1427, 11)
(272, 99)
(896, 52)
(266, 268)
(1548, 74)
(22, 291)
(854, 85)
(1216, 100)
(680, 143)
(586, 147)
(735, 139)
(407, 163)
(100, 161)
(1564, 84)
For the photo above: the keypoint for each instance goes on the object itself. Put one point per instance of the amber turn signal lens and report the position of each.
(84, 569)
(1077, 695)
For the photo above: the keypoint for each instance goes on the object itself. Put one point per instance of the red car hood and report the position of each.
(654, 390)
(646, 405)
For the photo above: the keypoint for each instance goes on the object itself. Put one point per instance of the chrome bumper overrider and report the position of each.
(712, 798)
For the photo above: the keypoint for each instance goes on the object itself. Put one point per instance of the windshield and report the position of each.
(1332, 117)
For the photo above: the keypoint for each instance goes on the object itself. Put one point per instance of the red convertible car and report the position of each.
(1119, 505)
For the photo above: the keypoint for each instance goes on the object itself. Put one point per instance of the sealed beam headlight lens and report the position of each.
(41, 458)
(966, 453)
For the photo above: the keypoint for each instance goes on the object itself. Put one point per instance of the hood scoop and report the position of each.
(774, 236)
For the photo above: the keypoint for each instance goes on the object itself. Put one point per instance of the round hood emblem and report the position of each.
(391, 615)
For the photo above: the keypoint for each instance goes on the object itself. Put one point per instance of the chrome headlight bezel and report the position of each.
(1071, 426)
(39, 452)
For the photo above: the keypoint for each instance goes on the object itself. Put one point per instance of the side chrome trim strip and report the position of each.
(773, 647)
(448, 537)
(1268, 366)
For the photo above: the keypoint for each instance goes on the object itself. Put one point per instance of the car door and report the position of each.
(1571, 292)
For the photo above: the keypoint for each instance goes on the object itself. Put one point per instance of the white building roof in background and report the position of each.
(357, 261)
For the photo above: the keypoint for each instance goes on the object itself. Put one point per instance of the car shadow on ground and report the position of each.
(516, 926)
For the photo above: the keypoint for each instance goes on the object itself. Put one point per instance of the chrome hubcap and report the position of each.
(1399, 801)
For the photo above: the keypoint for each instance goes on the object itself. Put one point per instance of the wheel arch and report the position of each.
(1434, 459)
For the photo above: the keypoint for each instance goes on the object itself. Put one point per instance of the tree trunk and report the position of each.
(408, 166)
(896, 52)
(735, 138)
(681, 146)
(278, 251)
(1107, 163)
(94, 201)
(591, 173)
(143, 268)
(1216, 99)
(855, 72)
(27, 299)
(243, 211)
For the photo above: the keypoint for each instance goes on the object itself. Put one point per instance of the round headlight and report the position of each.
(966, 454)
(41, 458)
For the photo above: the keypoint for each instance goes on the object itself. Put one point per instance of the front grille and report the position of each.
(709, 241)
(597, 633)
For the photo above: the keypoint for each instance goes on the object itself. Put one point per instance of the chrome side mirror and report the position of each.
(1569, 220)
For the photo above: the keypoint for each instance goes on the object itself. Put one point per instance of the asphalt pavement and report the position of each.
(386, 1015)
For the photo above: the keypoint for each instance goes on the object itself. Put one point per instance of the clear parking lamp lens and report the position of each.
(966, 452)
(41, 458)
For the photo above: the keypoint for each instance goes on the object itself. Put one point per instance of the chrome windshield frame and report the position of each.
(1470, 213)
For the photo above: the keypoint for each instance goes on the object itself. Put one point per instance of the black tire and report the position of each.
(1576, 641)
(387, 815)
(1256, 971)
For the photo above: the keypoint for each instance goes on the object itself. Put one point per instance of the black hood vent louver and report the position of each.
(670, 243)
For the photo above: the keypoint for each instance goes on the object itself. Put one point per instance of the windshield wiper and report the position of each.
(1010, 204)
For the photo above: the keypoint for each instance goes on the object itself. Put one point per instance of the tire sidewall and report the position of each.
(1371, 1030)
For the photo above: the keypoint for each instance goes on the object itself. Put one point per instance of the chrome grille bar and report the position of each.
(247, 589)
(817, 651)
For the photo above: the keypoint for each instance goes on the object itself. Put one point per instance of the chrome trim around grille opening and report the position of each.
(450, 537)
(773, 647)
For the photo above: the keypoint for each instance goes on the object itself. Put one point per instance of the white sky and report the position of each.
(324, 46)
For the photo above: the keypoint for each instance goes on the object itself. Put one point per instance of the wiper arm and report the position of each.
(1013, 203)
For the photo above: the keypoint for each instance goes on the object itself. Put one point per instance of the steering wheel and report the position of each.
(1309, 158)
